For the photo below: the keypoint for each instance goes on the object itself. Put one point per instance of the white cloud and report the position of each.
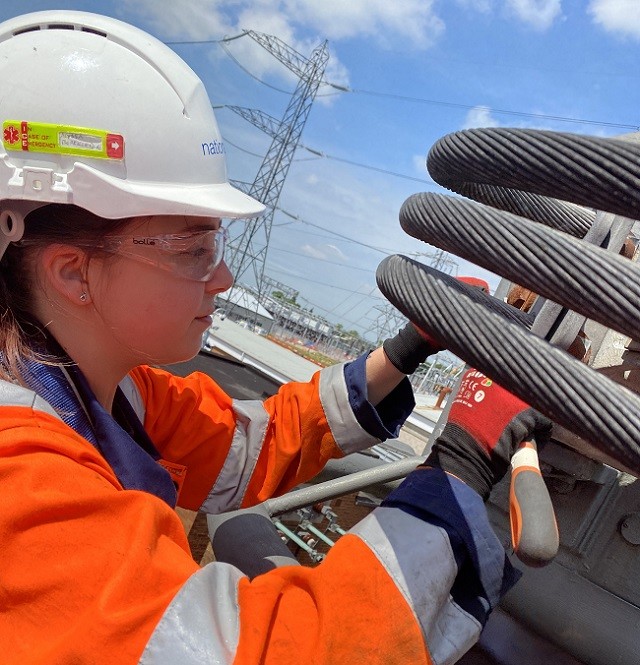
(617, 16)
(479, 116)
(420, 164)
(483, 6)
(324, 251)
(384, 21)
(314, 252)
(186, 19)
(539, 14)
(211, 20)
(299, 23)
(337, 252)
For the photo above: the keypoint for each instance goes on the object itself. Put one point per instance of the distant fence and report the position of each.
(439, 372)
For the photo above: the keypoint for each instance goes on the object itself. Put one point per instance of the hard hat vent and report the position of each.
(60, 26)
(31, 28)
(93, 31)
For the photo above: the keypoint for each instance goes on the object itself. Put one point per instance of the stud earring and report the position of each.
(83, 296)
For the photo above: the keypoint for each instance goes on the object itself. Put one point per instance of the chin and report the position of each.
(184, 358)
(178, 354)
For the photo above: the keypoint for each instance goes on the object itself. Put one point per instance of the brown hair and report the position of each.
(20, 332)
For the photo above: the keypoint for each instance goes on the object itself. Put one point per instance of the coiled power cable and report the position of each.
(545, 177)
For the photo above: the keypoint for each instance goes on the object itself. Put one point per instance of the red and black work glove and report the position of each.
(486, 424)
(412, 346)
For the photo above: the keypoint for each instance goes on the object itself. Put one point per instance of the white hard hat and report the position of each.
(98, 113)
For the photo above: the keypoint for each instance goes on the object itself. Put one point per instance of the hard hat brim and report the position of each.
(139, 199)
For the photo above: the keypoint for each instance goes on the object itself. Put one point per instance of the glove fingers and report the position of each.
(525, 426)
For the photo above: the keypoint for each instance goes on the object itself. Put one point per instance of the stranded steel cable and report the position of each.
(600, 173)
(548, 378)
(582, 277)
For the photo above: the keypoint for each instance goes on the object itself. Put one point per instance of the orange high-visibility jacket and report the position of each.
(93, 573)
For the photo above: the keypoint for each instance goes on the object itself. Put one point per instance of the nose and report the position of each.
(222, 280)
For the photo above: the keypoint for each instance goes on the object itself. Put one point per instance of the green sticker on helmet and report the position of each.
(23, 136)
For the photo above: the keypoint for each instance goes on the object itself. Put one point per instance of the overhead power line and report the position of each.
(237, 147)
(408, 98)
(246, 71)
(331, 286)
(521, 114)
(323, 155)
(369, 271)
(437, 259)
(335, 233)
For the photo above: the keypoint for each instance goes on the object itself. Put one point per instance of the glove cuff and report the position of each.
(456, 452)
(408, 349)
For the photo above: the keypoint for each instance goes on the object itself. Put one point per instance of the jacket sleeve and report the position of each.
(414, 582)
(96, 574)
(240, 452)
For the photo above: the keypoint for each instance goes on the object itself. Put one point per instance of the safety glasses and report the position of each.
(194, 255)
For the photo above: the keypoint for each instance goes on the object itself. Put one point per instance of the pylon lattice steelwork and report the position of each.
(249, 248)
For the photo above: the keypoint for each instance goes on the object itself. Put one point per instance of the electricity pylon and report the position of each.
(387, 323)
(249, 248)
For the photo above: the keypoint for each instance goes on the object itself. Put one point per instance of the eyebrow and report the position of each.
(205, 226)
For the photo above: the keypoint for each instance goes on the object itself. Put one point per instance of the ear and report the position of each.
(64, 269)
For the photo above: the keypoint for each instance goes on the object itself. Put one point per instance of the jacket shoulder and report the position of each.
(12, 394)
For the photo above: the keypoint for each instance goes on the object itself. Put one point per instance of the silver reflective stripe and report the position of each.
(248, 437)
(131, 392)
(13, 395)
(334, 397)
(202, 623)
(419, 559)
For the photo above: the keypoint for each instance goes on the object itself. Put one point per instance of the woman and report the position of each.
(112, 190)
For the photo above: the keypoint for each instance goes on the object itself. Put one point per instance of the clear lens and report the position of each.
(195, 255)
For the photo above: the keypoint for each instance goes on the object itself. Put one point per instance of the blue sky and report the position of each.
(415, 70)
